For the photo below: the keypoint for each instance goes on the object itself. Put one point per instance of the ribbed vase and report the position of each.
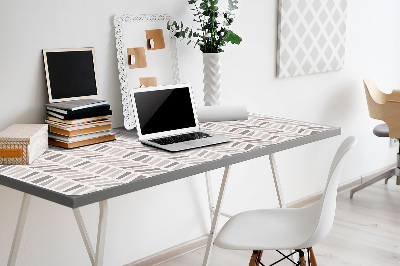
(212, 75)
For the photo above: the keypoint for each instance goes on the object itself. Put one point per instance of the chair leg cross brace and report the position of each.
(256, 258)
(287, 257)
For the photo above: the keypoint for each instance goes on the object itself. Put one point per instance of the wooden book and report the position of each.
(81, 143)
(78, 121)
(69, 127)
(79, 131)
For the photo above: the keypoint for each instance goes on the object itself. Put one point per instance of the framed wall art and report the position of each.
(311, 36)
(146, 53)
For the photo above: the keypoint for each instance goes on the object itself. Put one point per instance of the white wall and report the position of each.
(148, 221)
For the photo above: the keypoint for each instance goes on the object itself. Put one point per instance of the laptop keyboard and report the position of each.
(180, 138)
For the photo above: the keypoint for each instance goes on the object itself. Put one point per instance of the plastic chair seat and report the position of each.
(269, 229)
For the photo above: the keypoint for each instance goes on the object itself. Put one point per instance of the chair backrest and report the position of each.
(327, 203)
(375, 99)
(384, 106)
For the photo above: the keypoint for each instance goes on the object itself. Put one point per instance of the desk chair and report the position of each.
(385, 107)
(287, 229)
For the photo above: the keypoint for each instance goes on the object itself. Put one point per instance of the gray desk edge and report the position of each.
(82, 200)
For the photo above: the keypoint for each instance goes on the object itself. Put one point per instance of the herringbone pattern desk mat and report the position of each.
(96, 167)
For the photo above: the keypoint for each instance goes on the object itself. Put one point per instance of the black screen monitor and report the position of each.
(70, 74)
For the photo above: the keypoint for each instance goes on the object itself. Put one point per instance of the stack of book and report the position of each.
(78, 123)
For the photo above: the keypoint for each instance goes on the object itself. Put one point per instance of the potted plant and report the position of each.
(212, 35)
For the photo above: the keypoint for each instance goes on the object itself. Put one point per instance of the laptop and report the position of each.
(166, 118)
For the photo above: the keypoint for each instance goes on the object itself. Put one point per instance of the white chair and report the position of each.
(287, 229)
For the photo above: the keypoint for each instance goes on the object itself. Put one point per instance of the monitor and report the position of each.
(70, 74)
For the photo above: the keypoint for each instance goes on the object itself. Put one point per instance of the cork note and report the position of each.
(148, 82)
(137, 58)
(155, 39)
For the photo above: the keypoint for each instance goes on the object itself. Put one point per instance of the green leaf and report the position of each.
(204, 5)
(232, 5)
(233, 38)
(213, 2)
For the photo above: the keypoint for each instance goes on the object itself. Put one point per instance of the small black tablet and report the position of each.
(70, 74)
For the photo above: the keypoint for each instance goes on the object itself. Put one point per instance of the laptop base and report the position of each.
(191, 144)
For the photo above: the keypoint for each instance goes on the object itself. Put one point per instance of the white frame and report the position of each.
(164, 133)
(119, 20)
(51, 100)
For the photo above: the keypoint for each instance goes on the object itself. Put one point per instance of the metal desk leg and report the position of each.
(216, 216)
(19, 229)
(85, 236)
(277, 182)
(210, 195)
(95, 258)
(101, 233)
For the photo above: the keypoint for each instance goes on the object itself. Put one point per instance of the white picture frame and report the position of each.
(130, 33)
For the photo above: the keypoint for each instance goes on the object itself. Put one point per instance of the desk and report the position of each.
(91, 174)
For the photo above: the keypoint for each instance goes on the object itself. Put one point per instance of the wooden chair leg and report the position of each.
(255, 257)
(313, 260)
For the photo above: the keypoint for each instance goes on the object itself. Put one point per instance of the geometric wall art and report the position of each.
(311, 36)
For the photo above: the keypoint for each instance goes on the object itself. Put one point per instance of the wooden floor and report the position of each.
(366, 232)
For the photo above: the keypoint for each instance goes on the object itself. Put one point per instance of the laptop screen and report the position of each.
(164, 110)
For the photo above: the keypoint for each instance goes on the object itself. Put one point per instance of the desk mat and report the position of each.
(96, 167)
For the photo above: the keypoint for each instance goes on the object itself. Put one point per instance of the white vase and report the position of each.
(212, 75)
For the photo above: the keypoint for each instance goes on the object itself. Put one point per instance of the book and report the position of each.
(78, 121)
(70, 133)
(79, 116)
(77, 104)
(79, 137)
(69, 127)
(81, 143)
(80, 111)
